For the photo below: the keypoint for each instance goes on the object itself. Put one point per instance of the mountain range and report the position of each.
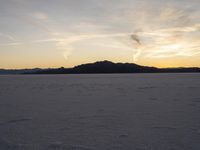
(102, 67)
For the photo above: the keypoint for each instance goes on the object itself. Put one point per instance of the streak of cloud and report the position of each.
(9, 37)
(169, 30)
(11, 44)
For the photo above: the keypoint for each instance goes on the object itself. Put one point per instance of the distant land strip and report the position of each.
(102, 67)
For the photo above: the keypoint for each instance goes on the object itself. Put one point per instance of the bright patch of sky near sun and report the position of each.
(49, 33)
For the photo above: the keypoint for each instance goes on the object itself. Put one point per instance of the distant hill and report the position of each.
(110, 67)
(102, 67)
(19, 71)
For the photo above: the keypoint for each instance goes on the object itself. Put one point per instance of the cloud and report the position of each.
(10, 44)
(168, 42)
(8, 40)
(66, 42)
(149, 28)
(40, 16)
(165, 32)
(7, 36)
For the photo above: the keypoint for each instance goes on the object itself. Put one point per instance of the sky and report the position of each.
(55, 33)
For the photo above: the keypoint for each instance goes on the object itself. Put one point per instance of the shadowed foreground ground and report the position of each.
(100, 112)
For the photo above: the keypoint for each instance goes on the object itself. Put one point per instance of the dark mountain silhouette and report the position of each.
(102, 67)
(110, 67)
(19, 71)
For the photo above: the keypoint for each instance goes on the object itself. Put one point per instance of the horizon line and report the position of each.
(96, 62)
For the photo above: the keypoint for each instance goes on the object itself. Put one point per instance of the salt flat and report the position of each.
(100, 112)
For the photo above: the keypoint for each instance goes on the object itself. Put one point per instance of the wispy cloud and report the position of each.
(10, 44)
(170, 32)
(8, 40)
(7, 36)
(40, 16)
(168, 42)
(149, 28)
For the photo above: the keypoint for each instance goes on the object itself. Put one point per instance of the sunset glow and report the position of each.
(37, 33)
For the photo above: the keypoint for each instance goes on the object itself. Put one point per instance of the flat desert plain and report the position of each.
(100, 112)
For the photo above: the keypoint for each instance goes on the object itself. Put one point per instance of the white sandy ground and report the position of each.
(100, 112)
